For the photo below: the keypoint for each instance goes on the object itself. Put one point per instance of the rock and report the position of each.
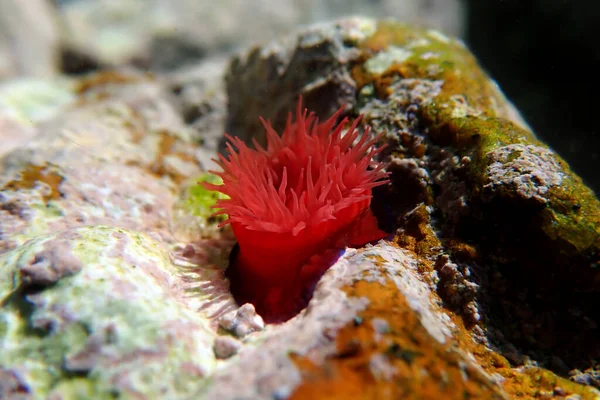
(124, 126)
(164, 35)
(509, 210)
(226, 346)
(515, 55)
(104, 303)
(243, 321)
(29, 39)
(201, 100)
(528, 171)
(112, 272)
(33, 100)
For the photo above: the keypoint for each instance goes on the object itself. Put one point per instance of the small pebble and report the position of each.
(226, 346)
(243, 321)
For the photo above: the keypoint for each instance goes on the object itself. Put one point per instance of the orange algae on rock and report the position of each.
(33, 174)
(387, 353)
(294, 203)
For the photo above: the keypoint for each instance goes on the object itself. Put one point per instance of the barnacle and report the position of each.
(291, 204)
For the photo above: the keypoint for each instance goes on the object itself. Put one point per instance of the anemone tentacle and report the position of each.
(302, 178)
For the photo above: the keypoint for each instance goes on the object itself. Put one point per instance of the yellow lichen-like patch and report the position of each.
(521, 382)
(33, 174)
(470, 115)
(402, 361)
(535, 383)
(432, 57)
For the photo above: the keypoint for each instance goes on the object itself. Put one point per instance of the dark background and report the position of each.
(545, 55)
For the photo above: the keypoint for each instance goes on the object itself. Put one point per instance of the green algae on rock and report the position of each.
(470, 114)
(26, 102)
(99, 302)
(503, 212)
(33, 100)
(192, 212)
(106, 310)
(199, 200)
(532, 219)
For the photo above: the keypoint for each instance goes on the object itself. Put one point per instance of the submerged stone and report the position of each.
(112, 276)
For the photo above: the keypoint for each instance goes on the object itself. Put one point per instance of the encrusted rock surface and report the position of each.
(99, 310)
(112, 270)
(488, 209)
(528, 171)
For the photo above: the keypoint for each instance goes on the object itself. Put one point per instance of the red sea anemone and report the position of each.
(308, 192)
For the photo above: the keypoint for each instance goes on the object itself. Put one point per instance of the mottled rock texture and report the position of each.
(112, 272)
(42, 38)
(488, 209)
(167, 34)
(98, 310)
